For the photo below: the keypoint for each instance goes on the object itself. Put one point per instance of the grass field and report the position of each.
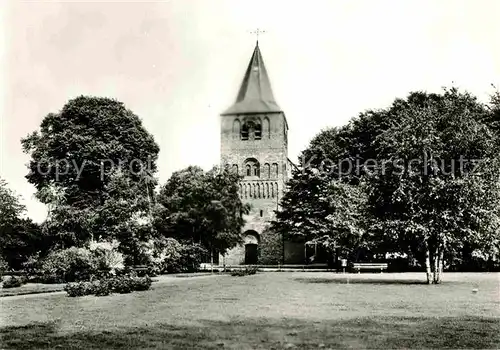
(267, 310)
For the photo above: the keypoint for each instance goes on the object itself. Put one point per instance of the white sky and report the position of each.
(178, 64)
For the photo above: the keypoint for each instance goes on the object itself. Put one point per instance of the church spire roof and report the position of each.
(255, 94)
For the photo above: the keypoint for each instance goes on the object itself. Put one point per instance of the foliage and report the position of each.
(3, 267)
(103, 287)
(167, 255)
(93, 164)
(248, 270)
(202, 207)
(14, 282)
(108, 256)
(270, 248)
(100, 288)
(79, 289)
(417, 178)
(323, 210)
(69, 265)
(19, 237)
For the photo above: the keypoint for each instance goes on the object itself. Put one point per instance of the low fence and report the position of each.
(309, 267)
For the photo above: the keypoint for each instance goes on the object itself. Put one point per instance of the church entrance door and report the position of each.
(250, 254)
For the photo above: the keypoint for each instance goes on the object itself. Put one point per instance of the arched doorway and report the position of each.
(251, 242)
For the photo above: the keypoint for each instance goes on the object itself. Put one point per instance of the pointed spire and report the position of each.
(255, 95)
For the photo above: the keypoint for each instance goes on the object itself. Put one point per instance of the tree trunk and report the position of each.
(439, 266)
(435, 264)
(428, 265)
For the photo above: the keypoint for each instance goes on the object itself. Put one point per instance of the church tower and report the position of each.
(254, 144)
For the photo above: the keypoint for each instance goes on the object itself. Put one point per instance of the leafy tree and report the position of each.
(270, 248)
(304, 207)
(393, 157)
(202, 207)
(93, 164)
(10, 217)
(20, 237)
(322, 210)
(10, 207)
(428, 192)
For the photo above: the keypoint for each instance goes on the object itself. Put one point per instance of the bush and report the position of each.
(122, 285)
(142, 283)
(270, 248)
(128, 284)
(14, 282)
(3, 267)
(103, 287)
(32, 264)
(79, 289)
(69, 265)
(170, 256)
(109, 259)
(248, 270)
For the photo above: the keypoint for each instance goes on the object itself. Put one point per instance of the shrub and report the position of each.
(101, 287)
(248, 270)
(32, 264)
(270, 248)
(238, 272)
(14, 282)
(128, 284)
(79, 289)
(3, 267)
(142, 283)
(170, 256)
(109, 259)
(122, 285)
(69, 265)
(251, 270)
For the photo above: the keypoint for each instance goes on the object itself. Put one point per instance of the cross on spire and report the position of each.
(257, 32)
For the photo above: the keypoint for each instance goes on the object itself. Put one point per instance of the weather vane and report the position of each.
(257, 32)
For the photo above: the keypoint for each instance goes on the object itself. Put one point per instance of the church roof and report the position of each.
(255, 95)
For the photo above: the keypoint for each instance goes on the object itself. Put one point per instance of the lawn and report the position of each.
(267, 310)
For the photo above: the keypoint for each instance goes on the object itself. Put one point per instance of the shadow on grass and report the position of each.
(357, 280)
(361, 333)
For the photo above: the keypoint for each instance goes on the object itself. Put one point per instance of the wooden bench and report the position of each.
(140, 269)
(369, 266)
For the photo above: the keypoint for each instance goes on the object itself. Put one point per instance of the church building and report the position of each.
(254, 143)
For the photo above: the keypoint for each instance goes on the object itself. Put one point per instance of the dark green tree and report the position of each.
(436, 183)
(20, 237)
(322, 210)
(202, 207)
(93, 163)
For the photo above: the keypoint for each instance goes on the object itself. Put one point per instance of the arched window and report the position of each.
(267, 190)
(267, 171)
(266, 128)
(258, 191)
(252, 167)
(236, 127)
(251, 130)
(275, 170)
